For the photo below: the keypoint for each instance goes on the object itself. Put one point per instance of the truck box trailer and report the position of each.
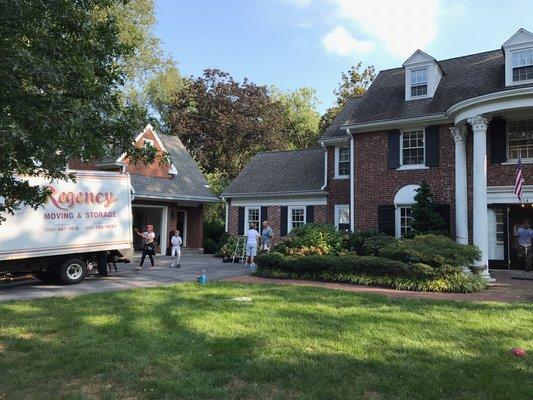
(82, 226)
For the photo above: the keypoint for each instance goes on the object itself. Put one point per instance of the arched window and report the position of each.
(403, 200)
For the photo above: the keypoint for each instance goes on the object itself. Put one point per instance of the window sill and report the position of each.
(513, 161)
(411, 167)
(341, 177)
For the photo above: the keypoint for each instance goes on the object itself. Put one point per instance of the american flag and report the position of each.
(518, 180)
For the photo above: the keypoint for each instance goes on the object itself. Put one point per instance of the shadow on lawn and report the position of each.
(185, 342)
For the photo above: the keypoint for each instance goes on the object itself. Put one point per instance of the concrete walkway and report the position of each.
(510, 286)
(127, 278)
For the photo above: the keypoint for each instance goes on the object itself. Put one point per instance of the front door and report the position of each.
(497, 235)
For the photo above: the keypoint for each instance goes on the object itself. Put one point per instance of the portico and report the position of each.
(476, 115)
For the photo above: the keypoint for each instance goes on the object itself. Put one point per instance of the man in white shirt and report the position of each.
(252, 240)
(148, 245)
(176, 249)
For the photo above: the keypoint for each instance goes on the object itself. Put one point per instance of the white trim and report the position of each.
(413, 166)
(398, 219)
(226, 220)
(336, 164)
(173, 170)
(335, 140)
(409, 85)
(505, 195)
(352, 184)
(184, 233)
(266, 201)
(510, 160)
(338, 208)
(397, 122)
(289, 215)
(140, 135)
(513, 161)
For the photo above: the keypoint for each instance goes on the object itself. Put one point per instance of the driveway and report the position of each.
(127, 278)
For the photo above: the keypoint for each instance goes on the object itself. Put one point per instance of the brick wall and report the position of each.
(375, 184)
(338, 189)
(154, 169)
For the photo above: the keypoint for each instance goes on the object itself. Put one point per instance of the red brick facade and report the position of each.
(338, 189)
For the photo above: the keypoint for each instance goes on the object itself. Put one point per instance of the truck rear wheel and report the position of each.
(72, 271)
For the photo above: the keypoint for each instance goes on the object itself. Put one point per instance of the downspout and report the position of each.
(352, 182)
(325, 166)
(226, 222)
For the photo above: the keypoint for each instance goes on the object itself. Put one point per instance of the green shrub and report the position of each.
(367, 243)
(437, 251)
(228, 248)
(311, 239)
(214, 235)
(210, 246)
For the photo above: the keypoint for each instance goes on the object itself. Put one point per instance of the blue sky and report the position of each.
(296, 43)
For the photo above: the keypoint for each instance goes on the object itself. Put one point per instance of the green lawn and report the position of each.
(190, 342)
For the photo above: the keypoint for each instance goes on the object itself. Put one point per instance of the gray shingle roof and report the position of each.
(189, 183)
(464, 78)
(279, 172)
(334, 131)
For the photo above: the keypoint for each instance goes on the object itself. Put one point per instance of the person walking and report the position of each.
(252, 240)
(176, 249)
(267, 234)
(148, 245)
(524, 234)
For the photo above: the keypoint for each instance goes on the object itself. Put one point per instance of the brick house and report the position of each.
(168, 196)
(460, 125)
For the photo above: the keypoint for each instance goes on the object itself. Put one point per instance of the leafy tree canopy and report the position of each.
(224, 123)
(354, 82)
(300, 118)
(61, 77)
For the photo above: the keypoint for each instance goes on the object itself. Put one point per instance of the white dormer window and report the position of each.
(419, 82)
(518, 51)
(422, 76)
(522, 65)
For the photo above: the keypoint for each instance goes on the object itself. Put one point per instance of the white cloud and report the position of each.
(401, 26)
(340, 41)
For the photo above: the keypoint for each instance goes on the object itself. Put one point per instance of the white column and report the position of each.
(461, 200)
(480, 228)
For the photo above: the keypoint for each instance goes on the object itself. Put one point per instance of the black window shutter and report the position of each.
(310, 214)
(264, 214)
(240, 228)
(283, 221)
(498, 140)
(386, 219)
(432, 146)
(444, 211)
(393, 149)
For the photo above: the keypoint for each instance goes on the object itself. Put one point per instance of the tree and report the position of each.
(300, 118)
(353, 83)
(224, 123)
(424, 214)
(60, 84)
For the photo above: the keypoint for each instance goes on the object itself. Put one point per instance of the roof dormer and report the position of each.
(518, 52)
(422, 76)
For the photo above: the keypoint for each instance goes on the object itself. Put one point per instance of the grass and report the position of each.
(190, 342)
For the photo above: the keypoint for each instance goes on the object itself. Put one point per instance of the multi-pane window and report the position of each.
(419, 82)
(523, 65)
(297, 217)
(252, 217)
(520, 138)
(405, 221)
(343, 161)
(342, 217)
(500, 236)
(413, 147)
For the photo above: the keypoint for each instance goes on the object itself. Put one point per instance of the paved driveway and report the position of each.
(127, 278)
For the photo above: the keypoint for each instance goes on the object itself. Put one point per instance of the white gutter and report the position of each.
(370, 126)
(274, 194)
(352, 183)
(226, 220)
(196, 199)
(325, 166)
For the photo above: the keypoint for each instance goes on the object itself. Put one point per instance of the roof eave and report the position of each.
(276, 194)
(198, 199)
(395, 122)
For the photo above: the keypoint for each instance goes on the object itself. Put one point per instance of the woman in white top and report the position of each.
(148, 245)
(176, 249)
(252, 240)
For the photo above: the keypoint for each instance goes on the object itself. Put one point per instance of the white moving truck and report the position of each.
(82, 226)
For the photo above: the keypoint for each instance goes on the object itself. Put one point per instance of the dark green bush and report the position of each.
(311, 239)
(214, 235)
(437, 251)
(348, 263)
(367, 243)
(210, 246)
